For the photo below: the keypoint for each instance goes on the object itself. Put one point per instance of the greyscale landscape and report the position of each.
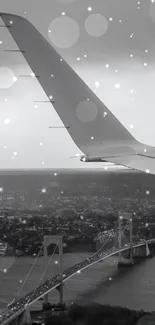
(81, 206)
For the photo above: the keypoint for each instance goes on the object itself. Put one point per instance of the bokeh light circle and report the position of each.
(63, 32)
(7, 77)
(96, 25)
(86, 111)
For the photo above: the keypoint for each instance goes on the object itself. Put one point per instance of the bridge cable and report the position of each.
(27, 276)
(67, 286)
(42, 275)
(104, 242)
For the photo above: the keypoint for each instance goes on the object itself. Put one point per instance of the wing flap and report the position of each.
(139, 162)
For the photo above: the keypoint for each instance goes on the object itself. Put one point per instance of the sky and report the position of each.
(107, 43)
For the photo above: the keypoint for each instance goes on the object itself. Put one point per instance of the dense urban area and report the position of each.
(81, 215)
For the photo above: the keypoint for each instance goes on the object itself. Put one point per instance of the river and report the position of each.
(102, 283)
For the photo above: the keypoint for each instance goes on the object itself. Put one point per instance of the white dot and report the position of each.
(61, 59)
(4, 270)
(110, 19)
(105, 114)
(85, 55)
(107, 65)
(131, 91)
(145, 150)
(1, 189)
(63, 13)
(147, 192)
(5, 99)
(5, 147)
(77, 155)
(131, 126)
(55, 174)
(15, 153)
(32, 74)
(14, 79)
(41, 143)
(43, 163)
(78, 59)
(35, 106)
(106, 168)
(79, 271)
(145, 64)
(116, 70)
(89, 8)
(20, 281)
(131, 55)
(117, 86)
(7, 121)
(92, 138)
(25, 12)
(49, 30)
(97, 84)
(147, 171)
(120, 21)
(1, 42)
(146, 51)
(13, 157)
(11, 22)
(43, 190)
(50, 97)
(152, 1)
(52, 75)
(88, 99)
(56, 262)
(110, 279)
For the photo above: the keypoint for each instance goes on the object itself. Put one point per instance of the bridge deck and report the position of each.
(19, 306)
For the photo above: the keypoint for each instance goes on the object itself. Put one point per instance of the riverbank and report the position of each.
(94, 314)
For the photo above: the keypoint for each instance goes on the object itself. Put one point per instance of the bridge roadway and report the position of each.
(16, 308)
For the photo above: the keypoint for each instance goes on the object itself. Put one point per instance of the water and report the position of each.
(102, 283)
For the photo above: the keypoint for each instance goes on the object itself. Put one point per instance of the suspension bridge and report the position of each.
(18, 306)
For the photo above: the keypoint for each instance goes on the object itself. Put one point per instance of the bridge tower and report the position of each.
(128, 217)
(58, 240)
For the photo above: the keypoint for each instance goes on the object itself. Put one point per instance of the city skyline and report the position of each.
(124, 48)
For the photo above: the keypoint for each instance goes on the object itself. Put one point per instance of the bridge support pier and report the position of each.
(142, 251)
(122, 261)
(58, 241)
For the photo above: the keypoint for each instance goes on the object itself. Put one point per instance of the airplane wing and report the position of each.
(139, 162)
(92, 126)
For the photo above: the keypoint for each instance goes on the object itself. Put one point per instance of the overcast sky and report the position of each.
(107, 42)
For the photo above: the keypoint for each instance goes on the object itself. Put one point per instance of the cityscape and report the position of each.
(83, 207)
(76, 205)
